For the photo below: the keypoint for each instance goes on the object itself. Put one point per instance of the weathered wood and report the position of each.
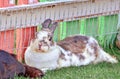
(35, 14)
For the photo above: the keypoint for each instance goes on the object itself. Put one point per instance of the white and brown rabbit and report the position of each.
(45, 54)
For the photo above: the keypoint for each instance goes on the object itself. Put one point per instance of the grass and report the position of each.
(98, 71)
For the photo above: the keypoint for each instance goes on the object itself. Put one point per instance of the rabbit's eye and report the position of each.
(50, 38)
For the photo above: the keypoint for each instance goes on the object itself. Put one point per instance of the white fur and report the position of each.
(43, 61)
(42, 34)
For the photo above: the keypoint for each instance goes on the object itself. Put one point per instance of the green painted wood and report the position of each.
(91, 25)
(63, 30)
(101, 30)
(56, 34)
(73, 27)
(82, 26)
(110, 28)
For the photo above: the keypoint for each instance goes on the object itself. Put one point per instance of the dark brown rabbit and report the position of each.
(45, 54)
(9, 67)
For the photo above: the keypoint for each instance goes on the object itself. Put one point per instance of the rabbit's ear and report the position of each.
(46, 23)
(53, 26)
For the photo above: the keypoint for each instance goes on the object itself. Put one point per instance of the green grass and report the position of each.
(98, 71)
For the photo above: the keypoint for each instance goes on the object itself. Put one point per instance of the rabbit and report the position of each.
(9, 67)
(30, 72)
(77, 50)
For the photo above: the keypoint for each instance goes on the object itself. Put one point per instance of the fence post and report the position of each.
(7, 37)
(24, 35)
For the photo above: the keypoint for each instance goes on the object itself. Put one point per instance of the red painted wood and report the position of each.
(7, 37)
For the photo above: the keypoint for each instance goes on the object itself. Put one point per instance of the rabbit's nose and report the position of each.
(42, 75)
(40, 45)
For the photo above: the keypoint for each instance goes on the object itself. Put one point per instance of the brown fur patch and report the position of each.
(70, 54)
(95, 47)
(81, 57)
(75, 44)
(62, 56)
